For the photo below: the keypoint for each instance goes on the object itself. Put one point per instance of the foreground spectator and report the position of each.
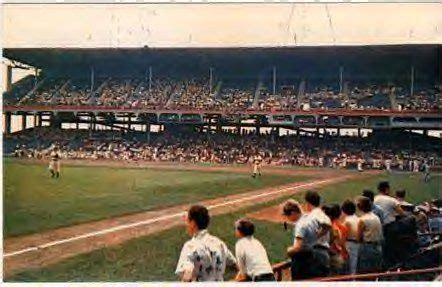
(251, 256)
(351, 221)
(370, 236)
(407, 207)
(391, 208)
(375, 208)
(313, 208)
(389, 205)
(204, 257)
(338, 251)
(292, 212)
(309, 252)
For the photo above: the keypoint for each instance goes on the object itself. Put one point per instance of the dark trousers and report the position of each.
(311, 263)
(370, 258)
(264, 277)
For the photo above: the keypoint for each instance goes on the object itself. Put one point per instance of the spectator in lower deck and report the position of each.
(370, 237)
(251, 256)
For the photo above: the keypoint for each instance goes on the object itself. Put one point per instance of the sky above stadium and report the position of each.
(219, 25)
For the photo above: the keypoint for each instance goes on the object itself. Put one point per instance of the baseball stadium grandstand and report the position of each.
(144, 132)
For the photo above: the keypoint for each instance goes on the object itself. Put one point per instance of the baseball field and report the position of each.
(124, 222)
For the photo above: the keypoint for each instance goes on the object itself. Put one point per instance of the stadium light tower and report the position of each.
(92, 79)
(274, 80)
(341, 72)
(150, 78)
(412, 81)
(210, 79)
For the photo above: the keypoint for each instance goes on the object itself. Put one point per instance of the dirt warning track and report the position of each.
(42, 249)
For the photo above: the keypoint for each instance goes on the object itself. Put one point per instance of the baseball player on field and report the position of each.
(54, 164)
(257, 163)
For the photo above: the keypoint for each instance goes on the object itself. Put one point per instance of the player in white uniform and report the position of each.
(257, 163)
(54, 164)
(360, 162)
(388, 165)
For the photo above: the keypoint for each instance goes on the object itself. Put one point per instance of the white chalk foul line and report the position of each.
(152, 220)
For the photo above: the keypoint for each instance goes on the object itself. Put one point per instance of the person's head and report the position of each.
(312, 200)
(244, 228)
(291, 210)
(400, 194)
(197, 219)
(364, 204)
(333, 211)
(384, 187)
(368, 193)
(348, 207)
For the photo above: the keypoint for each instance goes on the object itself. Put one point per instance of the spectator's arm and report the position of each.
(230, 259)
(361, 227)
(297, 246)
(241, 262)
(185, 264)
(399, 210)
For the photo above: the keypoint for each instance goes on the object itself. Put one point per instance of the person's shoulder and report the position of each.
(241, 243)
(212, 238)
(190, 244)
(378, 196)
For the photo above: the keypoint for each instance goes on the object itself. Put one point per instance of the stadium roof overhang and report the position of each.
(382, 61)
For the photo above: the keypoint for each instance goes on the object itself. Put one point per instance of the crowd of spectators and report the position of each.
(372, 152)
(196, 93)
(367, 234)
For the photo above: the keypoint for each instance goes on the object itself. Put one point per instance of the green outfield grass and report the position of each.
(154, 257)
(34, 202)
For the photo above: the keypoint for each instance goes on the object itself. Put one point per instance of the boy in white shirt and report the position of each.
(251, 256)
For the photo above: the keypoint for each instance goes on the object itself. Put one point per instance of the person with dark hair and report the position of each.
(338, 235)
(292, 212)
(392, 209)
(370, 236)
(375, 208)
(312, 207)
(309, 252)
(312, 198)
(351, 221)
(387, 203)
(204, 257)
(253, 263)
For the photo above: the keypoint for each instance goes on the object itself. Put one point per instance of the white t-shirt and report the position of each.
(322, 219)
(251, 257)
(372, 228)
(388, 204)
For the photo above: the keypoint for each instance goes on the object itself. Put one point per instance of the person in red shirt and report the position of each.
(338, 252)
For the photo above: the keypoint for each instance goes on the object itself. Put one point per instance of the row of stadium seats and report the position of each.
(197, 94)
